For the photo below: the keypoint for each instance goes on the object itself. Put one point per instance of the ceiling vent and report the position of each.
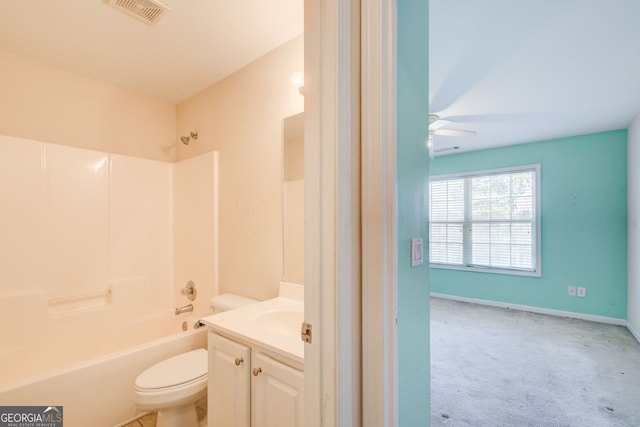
(149, 11)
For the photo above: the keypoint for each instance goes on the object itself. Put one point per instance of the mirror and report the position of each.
(293, 198)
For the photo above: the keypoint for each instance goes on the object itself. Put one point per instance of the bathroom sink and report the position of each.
(285, 322)
(273, 324)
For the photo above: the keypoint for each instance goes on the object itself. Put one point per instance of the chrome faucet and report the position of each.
(184, 309)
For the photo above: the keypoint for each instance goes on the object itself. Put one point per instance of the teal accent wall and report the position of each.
(583, 221)
(413, 176)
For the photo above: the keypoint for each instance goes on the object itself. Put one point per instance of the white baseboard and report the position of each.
(633, 331)
(539, 310)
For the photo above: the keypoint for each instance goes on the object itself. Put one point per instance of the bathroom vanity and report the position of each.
(256, 363)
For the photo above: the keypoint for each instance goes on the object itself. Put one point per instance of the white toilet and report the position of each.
(172, 387)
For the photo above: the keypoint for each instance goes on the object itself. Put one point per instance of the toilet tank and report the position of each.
(225, 302)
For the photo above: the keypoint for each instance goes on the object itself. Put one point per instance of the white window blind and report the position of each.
(487, 221)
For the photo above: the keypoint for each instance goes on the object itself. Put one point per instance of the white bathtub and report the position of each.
(98, 392)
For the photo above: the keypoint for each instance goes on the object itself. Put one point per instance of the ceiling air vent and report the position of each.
(149, 11)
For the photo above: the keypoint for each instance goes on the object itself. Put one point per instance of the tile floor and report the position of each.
(149, 420)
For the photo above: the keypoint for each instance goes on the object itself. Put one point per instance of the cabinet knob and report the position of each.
(239, 361)
(256, 371)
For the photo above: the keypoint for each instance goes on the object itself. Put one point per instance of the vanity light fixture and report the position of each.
(186, 139)
(297, 81)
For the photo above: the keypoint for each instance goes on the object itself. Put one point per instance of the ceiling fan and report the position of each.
(437, 127)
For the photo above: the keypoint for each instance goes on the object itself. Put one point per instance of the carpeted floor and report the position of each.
(494, 367)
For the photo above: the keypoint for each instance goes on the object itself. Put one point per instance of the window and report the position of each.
(486, 221)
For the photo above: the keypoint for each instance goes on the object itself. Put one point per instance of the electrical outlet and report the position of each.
(582, 292)
(571, 291)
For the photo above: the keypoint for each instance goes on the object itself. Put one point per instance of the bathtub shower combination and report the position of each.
(99, 391)
(91, 272)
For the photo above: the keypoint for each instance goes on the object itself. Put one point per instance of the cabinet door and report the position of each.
(277, 394)
(228, 401)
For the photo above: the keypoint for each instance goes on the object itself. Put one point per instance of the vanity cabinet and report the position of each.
(247, 387)
(229, 383)
(277, 393)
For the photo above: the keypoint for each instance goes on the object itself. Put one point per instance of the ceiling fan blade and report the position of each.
(500, 117)
(438, 124)
(454, 132)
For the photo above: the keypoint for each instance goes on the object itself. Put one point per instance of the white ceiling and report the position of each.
(513, 70)
(519, 71)
(196, 44)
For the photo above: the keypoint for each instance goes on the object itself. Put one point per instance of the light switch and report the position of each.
(416, 252)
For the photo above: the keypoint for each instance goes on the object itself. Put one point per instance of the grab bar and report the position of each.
(79, 303)
(107, 294)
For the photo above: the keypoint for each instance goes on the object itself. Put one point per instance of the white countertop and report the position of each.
(273, 325)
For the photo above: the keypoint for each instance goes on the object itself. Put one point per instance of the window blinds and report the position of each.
(484, 220)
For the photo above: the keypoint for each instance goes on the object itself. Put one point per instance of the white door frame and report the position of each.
(379, 206)
(350, 213)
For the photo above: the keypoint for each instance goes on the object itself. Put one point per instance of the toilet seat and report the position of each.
(175, 381)
(178, 370)
(171, 396)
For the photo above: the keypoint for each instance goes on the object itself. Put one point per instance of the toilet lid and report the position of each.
(176, 370)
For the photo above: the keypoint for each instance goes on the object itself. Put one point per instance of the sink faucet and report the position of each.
(184, 309)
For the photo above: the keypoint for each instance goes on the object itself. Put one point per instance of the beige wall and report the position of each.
(48, 104)
(241, 117)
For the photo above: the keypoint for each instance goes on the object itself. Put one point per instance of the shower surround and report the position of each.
(91, 252)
